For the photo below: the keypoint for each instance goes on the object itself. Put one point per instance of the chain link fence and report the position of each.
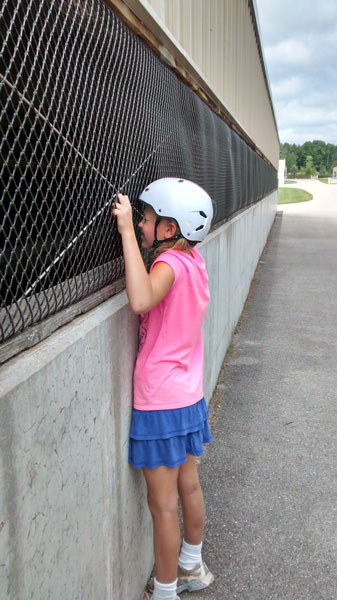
(88, 109)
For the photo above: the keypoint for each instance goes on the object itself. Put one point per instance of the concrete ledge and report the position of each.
(73, 516)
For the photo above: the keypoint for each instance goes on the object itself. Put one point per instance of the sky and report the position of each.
(299, 39)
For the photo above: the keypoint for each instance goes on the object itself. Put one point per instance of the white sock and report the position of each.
(164, 591)
(190, 555)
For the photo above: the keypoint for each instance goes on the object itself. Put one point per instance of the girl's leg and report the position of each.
(193, 573)
(192, 501)
(163, 504)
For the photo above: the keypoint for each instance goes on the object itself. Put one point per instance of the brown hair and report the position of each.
(182, 245)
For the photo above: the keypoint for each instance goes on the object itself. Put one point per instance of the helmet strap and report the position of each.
(156, 242)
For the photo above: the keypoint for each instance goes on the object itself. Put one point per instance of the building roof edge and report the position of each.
(256, 22)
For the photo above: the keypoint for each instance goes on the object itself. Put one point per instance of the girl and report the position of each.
(169, 423)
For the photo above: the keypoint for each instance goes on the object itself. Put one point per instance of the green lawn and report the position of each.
(287, 196)
(290, 181)
(324, 180)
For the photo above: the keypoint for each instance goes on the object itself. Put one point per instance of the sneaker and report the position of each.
(197, 579)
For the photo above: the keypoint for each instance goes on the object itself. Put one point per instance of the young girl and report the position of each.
(169, 423)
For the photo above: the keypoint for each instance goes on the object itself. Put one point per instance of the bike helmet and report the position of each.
(184, 201)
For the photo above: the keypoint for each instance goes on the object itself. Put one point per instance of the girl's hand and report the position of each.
(145, 290)
(123, 212)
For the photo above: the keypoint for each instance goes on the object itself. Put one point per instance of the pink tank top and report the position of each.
(169, 366)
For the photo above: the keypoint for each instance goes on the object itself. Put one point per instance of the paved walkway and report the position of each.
(270, 477)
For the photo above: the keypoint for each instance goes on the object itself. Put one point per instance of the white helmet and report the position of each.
(184, 201)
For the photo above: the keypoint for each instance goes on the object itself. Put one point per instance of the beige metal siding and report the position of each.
(220, 38)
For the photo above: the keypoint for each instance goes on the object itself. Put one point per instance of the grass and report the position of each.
(290, 196)
(324, 180)
(290, 181)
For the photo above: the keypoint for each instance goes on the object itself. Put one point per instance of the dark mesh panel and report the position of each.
(88, 109)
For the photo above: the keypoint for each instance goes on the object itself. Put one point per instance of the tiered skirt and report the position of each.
(164, 437)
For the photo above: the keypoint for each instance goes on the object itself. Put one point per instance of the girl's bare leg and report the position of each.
(192, 501)
(163, 504)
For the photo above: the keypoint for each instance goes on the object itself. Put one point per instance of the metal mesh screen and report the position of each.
(88, 109)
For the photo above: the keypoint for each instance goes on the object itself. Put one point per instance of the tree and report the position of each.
(323, 157)
(291, 162)
(309, 168)
(318, 152)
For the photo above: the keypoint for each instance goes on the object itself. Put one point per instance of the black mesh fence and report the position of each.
(88, 109)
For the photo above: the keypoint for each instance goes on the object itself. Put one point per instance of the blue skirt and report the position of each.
(164, 437)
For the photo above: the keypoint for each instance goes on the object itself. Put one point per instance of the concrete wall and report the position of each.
(73, 517)
(231, 253)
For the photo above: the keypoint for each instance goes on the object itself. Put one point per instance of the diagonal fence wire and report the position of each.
(107, 204)
(87, 109)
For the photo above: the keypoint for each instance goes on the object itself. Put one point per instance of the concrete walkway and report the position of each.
(270, 477)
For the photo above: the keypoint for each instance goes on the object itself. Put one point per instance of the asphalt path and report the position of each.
(270, 476)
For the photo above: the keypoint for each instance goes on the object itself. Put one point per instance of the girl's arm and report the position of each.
(145, 290)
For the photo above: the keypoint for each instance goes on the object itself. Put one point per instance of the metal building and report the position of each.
(222, 38)
(99, 96)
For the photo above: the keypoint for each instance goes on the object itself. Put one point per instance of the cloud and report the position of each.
(309, 118)
(305, 134)
(289, 52)
(286, 18)
(300, 48)
(293, 111)
(285, 88)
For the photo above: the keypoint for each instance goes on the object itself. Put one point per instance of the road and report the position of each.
(270, 476)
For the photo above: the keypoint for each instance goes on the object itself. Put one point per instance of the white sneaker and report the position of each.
(199, 578)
